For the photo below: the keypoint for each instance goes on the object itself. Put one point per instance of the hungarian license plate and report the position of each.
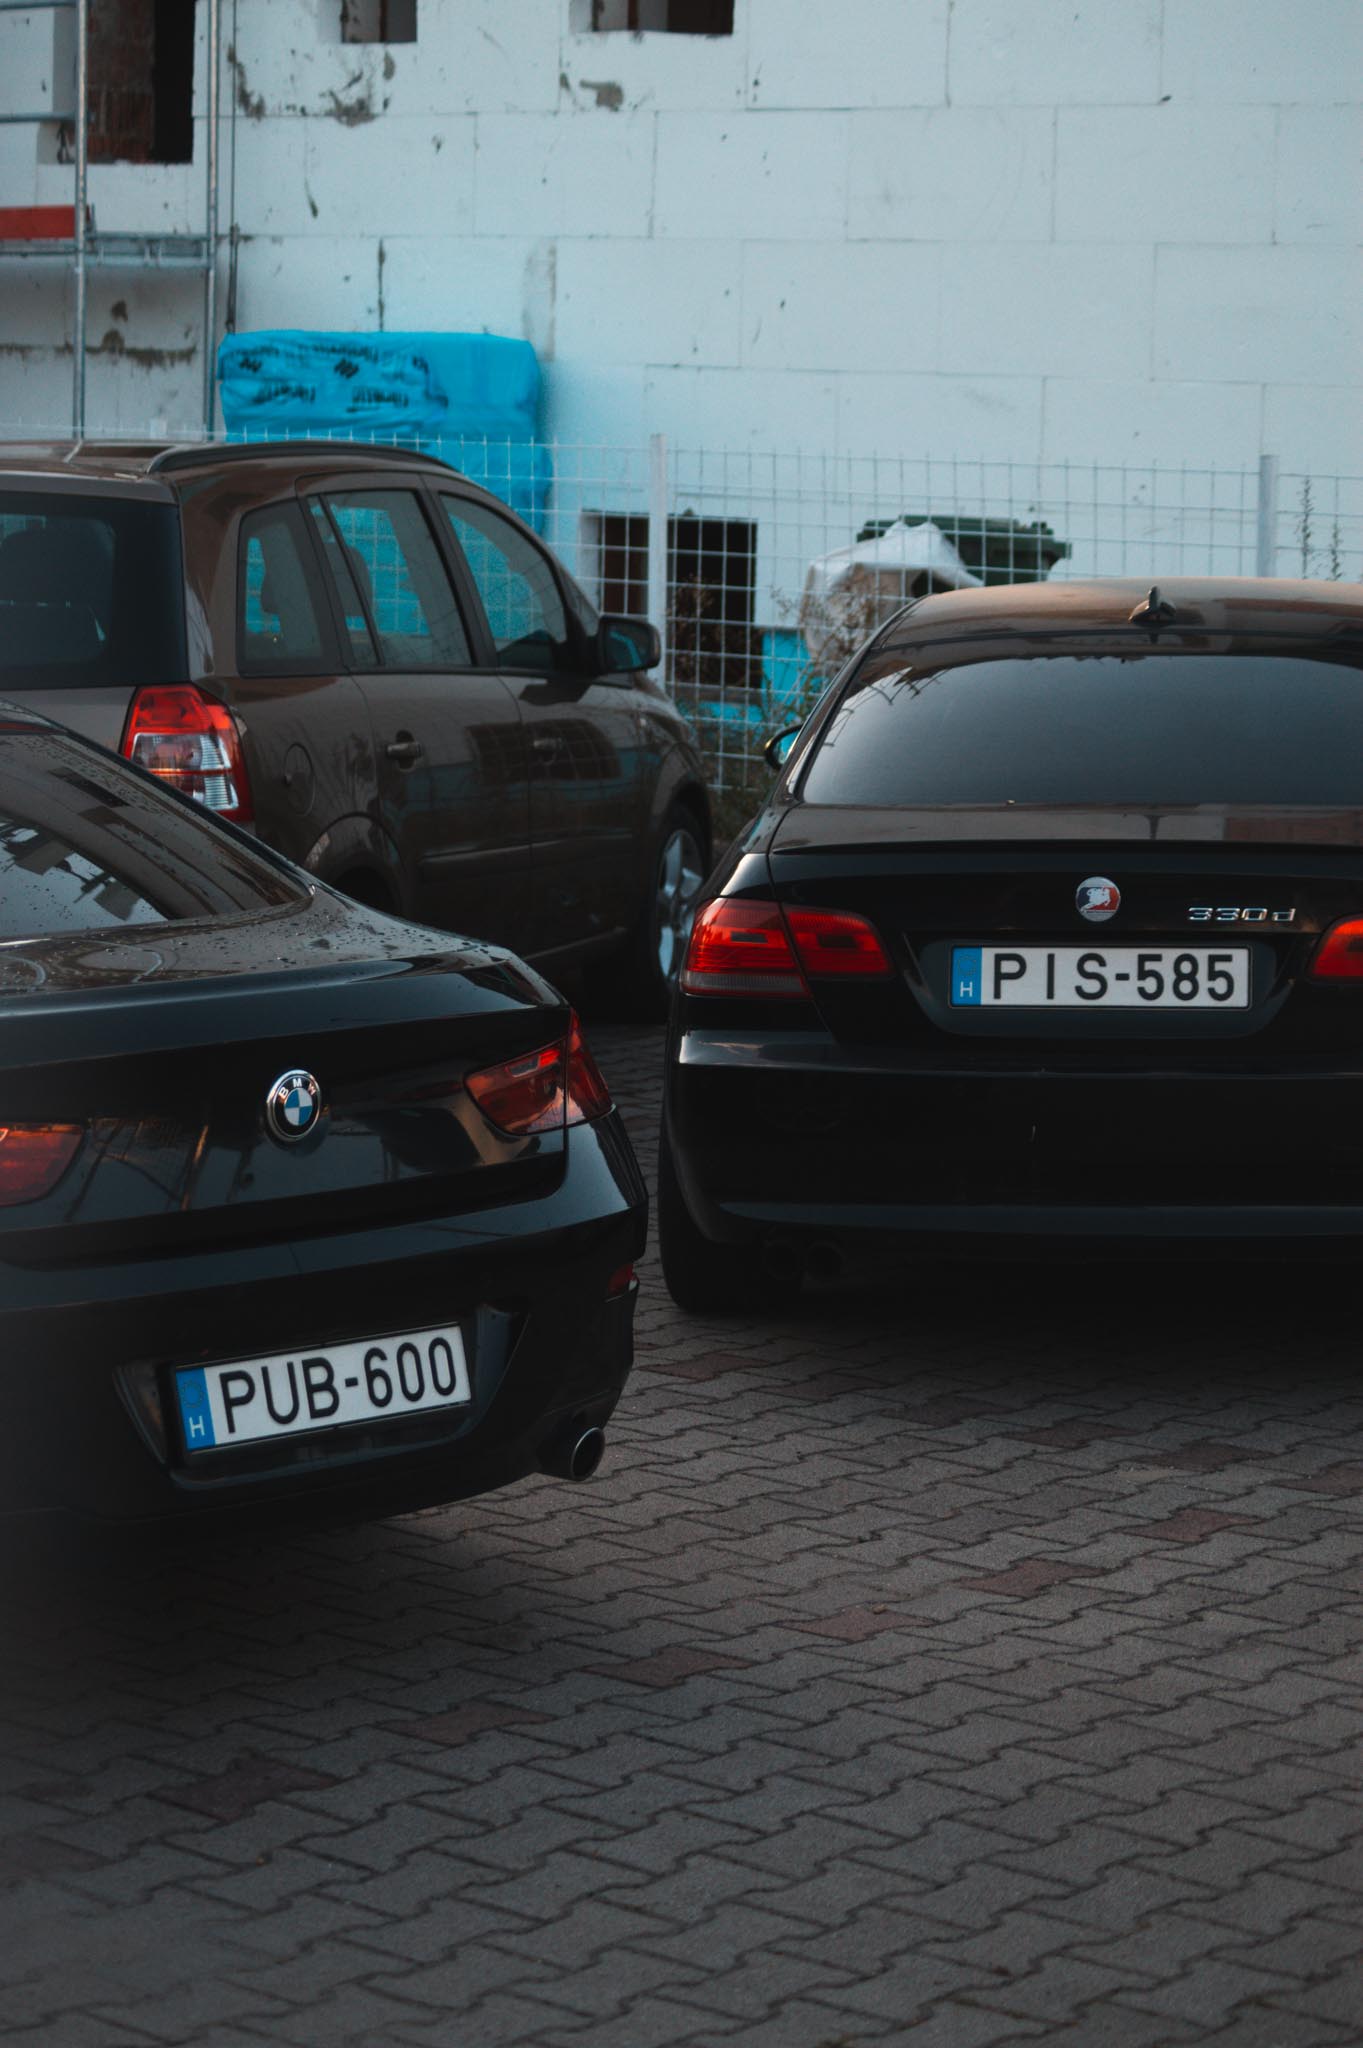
(1100, 977)
(367, 1381)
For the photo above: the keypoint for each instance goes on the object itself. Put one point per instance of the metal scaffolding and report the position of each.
(127, 251)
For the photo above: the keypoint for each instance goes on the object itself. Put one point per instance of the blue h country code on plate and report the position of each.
(966, 967)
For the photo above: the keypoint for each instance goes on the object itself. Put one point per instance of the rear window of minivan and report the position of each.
(91, 592)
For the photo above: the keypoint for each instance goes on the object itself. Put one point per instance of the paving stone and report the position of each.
(910, 1674)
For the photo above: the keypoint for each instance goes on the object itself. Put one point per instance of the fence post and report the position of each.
(657, 542)
(1266, 550)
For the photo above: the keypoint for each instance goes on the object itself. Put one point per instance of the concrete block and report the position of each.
(279, 63)
(481, 56)
(952, 174)
(602, 406)
(991, 419)
(32, 82)
(1225, 51)
(570, 173)
(1164, 174)
(484, 284)
(37, 314)
(1318, 429)
(1319, 188)
(1045, 310)
(1137, 420)
(761, 175)
(734, 409)
(35, 392)
(656, 71)
(392, 175)
(155, 198)
(648, 302)
(1267, 314)
(272, 192)
(1054, 52)
(467, 59)
(309, 281)
(19, 166)
(863, 53)
(840, 306)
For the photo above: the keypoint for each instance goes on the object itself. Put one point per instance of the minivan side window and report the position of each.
(278, 629)
(520, 594)
(392, 557)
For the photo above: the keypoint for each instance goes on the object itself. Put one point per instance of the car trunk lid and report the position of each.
(1263, 884)
(165, 1071)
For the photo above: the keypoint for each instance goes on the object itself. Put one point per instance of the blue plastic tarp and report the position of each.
(472, 399)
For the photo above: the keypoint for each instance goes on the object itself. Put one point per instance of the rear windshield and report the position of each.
(1145, 728)
(90, 592)
(86, 845)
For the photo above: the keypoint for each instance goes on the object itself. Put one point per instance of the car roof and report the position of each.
(1244, 608)
(131, 462)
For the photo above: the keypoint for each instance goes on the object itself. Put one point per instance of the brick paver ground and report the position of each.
(972, 1665)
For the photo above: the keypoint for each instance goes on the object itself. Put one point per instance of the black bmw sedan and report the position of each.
(301, 1208)
(1051, 936)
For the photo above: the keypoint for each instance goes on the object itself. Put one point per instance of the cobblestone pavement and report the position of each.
(974, 1667)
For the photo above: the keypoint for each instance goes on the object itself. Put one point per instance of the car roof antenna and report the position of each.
(1153, 612)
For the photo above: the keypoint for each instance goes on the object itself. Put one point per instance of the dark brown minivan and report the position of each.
(377, 667)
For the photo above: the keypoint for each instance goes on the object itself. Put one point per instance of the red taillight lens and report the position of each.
(750, 948)
(524, 1094)
(542, 1090)
(588, 1095)
(33, 1158)
(741, 948)
(192, 742)
(1339, 956)
(835, 942)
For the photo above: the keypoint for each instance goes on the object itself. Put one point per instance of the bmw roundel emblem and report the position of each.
(293, 1105)
(1097, 899)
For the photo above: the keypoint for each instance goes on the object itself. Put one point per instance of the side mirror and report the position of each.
(776, 751)
(624, 646)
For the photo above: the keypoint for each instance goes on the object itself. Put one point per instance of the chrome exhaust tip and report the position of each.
(574, 1454)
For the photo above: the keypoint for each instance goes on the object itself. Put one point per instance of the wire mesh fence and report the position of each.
(764, 572)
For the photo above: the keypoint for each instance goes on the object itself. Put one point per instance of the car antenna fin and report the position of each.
(1152, 612)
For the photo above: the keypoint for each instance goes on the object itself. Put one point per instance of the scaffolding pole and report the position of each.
(211, 220)
(82, 193)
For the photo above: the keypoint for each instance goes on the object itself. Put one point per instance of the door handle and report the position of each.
(404, 750)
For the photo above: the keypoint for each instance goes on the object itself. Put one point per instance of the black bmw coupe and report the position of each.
(301, 1208)
(1051, 936)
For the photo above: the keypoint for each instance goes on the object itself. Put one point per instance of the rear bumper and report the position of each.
(88, 1421)
(793, 1144)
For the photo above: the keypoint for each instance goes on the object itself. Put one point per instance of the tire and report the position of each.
(640, 980)
(703, 1277)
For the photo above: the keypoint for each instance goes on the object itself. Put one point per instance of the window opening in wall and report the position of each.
(141, 55)
(669, 17)
(711, 574)
(378, 21)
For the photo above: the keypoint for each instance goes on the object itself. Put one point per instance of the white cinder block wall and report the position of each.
(1034, 229)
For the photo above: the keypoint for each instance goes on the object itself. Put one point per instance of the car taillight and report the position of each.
(542, 1090)
(192, 742)
(1339, 956)
(33, 1158)
(588, 1095)
(741, 947)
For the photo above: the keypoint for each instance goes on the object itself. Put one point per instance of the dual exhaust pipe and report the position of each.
(788, 1259)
